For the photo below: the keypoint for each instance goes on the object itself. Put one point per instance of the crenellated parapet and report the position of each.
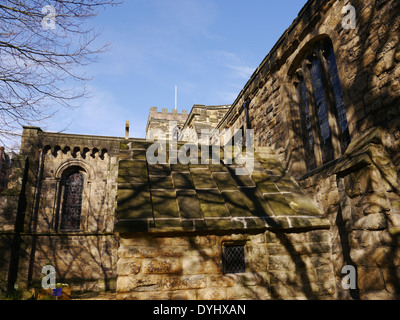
(161, 121)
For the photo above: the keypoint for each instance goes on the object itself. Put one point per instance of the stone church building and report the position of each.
(322, 200)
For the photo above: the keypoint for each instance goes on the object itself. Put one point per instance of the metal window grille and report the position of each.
(234, 259)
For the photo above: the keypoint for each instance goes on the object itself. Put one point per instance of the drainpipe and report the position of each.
(246, 109)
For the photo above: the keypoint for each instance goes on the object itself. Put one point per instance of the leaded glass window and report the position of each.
(322, 111)
(307, 131)
(72, 202)
(340, 107)
(324, 127)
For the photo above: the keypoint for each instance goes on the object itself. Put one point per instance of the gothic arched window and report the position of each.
(72, 201)
(324, 128)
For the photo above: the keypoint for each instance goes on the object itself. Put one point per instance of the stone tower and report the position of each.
(161, 122)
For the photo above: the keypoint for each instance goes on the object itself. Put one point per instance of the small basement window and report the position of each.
(234, 259)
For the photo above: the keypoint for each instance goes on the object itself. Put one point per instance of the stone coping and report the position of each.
(284, 224)
(57, 234)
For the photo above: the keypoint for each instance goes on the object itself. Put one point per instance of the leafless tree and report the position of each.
(43, 44)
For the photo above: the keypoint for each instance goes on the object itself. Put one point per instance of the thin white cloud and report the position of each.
(242, 72)
(231, 61)
(100, 114)
(190, 16)
(227, 97)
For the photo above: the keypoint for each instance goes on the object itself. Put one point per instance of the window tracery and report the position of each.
(324, 128)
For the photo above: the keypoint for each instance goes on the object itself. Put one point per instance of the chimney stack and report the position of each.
(127, 130)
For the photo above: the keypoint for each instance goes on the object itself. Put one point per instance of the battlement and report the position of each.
(161, 120)
(154, 110)
(200, 117)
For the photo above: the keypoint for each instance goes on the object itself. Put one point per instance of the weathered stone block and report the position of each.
(277, 249)
(189, 205)
(157, 182)
(221, 281)
(312, 248)
(132, 172)
(161, 266)
(207, 240)
(139, 283)
(134, 204)
(184, 282)
(282, 277)
(212, 203)
(271, 237)
(380, 67)
(182, 295)
(179, 168)
(164, 204)
(236, 204)
(198, 264)
(280, 206)
(211, 294)
(283, 263)
(202, 179)
(319, 236)
(139, 155)
(243, 180)
(326, 288)
(128, 268)
(363, 239)
(238, 292)
(173, 252)
(286, 291)
(159, 169)
(370, 278)
(378, 221)
(220, 224)
(165, 224)
(172, 241)
(224, 181)
(138, 252)
(182, 180)
(315, 261)
(256, 203)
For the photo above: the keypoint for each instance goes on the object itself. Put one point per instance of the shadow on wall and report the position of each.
(369, 69)
(84, 260)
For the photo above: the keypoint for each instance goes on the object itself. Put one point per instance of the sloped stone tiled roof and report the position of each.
(201, 197)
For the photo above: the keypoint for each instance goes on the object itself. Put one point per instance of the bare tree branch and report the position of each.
(37, 62)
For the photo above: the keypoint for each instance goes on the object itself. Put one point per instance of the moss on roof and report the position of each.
(209, 197)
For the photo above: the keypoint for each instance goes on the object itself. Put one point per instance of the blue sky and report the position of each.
(208, 48)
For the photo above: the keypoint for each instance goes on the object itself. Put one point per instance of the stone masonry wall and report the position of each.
(202, 118)
(9, 198)
(99, 187)
(278, 266)
(85, 259)
(4, 169)
(362, 201)
(84, 262)
(363, 204)
(31, 236)
(300, 265)
(368, 64)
